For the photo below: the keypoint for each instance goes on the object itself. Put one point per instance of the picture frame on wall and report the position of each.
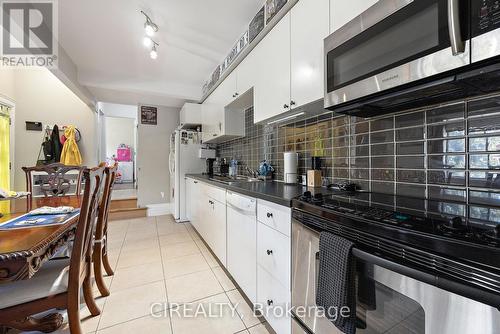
(235, 51)
(256, 25)
(273, 7)
(149, 115)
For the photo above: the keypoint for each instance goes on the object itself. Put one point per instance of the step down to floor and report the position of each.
(123, 203)
(125, 208)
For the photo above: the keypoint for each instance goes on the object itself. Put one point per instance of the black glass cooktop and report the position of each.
(440, 219)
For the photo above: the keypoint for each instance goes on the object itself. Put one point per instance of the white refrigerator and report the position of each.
(184, 159)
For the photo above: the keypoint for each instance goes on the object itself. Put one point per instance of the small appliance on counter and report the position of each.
(222, 166)
(210, 167)
(291, 160)
(265, 170)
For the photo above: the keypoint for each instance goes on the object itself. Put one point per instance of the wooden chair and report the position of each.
(100, 256)
(59, 283)
(56, 183)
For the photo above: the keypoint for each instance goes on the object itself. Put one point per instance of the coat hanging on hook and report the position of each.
(70, 153)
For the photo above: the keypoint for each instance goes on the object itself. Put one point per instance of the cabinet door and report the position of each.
(247, 72)
(271, 295)
(309, 26)
(208, 120)
(341, 11)
(272, 92)
(224, 93)
(189, 198)
(274, 253)
(218, 231)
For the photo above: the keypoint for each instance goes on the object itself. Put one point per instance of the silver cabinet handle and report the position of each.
(269, 252)
(292, 103)
(269, 302)
(457, 44)
(286, 106)
(269, 215)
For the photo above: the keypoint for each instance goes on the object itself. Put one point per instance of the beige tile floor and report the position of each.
(160, 261)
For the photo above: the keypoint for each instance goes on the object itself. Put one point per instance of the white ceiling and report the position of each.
(104, 40)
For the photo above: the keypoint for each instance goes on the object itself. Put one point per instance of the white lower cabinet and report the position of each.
(251, 238)
(274, 264)
(274, 300)
(273, 253)
(217, 230)
(207, 212)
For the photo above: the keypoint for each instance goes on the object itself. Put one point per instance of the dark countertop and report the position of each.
(272, 191)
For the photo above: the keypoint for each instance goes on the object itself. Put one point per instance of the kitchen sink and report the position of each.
(232, 180)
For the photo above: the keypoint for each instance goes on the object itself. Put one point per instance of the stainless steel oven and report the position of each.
(396, 44)
(395, 302)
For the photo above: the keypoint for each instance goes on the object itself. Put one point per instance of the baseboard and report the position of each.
(160, 209)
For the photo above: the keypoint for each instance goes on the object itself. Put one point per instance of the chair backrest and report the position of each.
(56, 182)
(81, 253)
(102, 220)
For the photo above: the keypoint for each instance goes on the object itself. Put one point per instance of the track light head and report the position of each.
(149, 26)
(148, 42)
(153, 53)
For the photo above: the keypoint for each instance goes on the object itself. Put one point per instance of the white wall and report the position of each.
(118, 110)
(40, 96)
(119, 130)
(152, 157)
(7, 83)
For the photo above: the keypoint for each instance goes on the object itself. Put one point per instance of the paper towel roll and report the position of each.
(291, 160)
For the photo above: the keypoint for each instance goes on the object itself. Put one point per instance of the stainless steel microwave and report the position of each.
(400, 53)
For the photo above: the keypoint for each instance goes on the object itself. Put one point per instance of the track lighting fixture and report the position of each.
(149, 26)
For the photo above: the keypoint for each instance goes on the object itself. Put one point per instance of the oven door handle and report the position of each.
(396, 267)
(482, 296)
(457, 44)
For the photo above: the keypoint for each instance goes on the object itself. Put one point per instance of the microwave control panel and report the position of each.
(486, 16)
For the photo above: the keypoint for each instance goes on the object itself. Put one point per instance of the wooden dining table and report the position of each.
(23, 251)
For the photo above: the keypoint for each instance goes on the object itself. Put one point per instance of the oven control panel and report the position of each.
(486, 16)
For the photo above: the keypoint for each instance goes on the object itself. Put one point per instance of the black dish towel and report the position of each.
(336, 280)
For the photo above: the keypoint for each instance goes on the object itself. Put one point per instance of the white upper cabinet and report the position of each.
(224, 93)
(272, 89)
(219, 122)
(309, 27)
(342, 11)
(247, 72)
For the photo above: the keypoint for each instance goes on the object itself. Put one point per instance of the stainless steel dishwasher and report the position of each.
(242, 242)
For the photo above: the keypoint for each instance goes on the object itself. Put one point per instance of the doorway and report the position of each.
(118, 142)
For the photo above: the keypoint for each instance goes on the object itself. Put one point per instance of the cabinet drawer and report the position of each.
(275, 216)
(273, 253)
(274, 301)
(216, 193)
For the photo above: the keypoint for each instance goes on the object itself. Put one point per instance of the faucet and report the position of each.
(252, 172)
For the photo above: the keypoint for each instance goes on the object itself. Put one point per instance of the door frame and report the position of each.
(12, 115)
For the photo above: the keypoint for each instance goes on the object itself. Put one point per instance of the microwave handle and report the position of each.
(457, 44)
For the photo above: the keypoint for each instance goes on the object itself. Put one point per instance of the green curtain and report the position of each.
(4, 155)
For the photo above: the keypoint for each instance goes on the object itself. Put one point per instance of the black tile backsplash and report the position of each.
(450, 153)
